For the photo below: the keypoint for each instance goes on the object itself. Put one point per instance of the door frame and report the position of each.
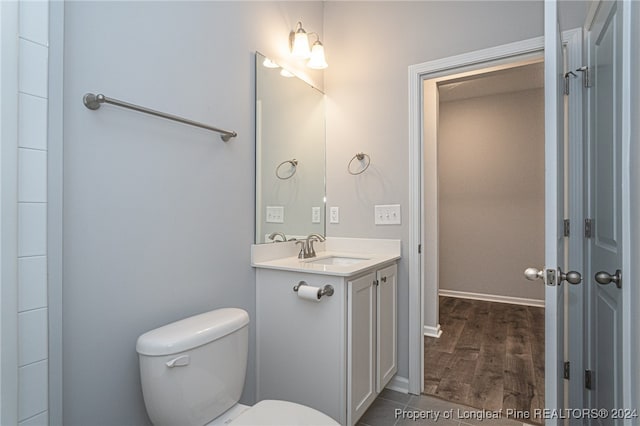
(423, 174)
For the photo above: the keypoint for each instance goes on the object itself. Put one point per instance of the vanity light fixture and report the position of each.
(299, 42)
(317, 60)
(299, 46)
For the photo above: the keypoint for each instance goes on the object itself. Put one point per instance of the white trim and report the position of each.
(399, 384)
(416, 234)
(433, 331)
(591, 14)
(481, 59)
(632, 14)
(493, 298)
(629, 358)
(554, 339)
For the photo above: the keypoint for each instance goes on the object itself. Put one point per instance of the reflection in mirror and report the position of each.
(290, 155)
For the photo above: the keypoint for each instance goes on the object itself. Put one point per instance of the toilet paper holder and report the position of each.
(327, 290)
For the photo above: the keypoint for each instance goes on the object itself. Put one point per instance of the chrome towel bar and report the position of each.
(93, 102)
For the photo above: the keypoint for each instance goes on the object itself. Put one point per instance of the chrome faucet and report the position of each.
(310, 239)
(277, 234)
(306, 249)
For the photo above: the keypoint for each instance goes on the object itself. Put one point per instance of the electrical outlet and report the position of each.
(315, 214)
(275, 214)
(387, 214)
(334, 215)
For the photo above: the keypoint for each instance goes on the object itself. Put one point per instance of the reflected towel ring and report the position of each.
(294, 168)
(360, 157)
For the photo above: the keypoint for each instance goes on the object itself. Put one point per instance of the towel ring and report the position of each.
(294, 167)
(359, 156)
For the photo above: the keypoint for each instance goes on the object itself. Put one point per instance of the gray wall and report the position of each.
(158, 216)
(491, 190)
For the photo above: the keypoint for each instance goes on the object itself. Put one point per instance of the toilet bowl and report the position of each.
(273, 413)
(192, 373)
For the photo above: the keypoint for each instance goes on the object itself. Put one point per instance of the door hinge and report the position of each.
(586, 76)
(567, 227)
(567, 80)
(588, 228)
(419, 248)
(588, 380)
(566, 372)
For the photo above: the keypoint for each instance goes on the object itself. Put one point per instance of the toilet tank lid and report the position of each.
(191, 332)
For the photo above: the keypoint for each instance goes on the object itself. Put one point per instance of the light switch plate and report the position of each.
(315, 214)
(387, 214)
(334, 215)
(275, 214)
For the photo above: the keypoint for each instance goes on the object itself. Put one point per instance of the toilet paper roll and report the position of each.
(308, 292)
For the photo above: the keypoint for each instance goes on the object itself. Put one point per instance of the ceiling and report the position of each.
(530, 76)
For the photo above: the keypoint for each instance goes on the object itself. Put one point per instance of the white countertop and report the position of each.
(284, 256)
(307, 265)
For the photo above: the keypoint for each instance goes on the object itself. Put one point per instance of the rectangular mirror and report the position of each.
(290, 155)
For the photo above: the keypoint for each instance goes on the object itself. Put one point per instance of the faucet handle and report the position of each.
(302, 249)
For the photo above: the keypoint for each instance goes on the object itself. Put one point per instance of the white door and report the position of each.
(361, 335)
(605, 210)
(387, 324)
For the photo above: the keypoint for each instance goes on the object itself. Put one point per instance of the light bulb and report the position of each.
(268, 63)
(286, 73)
(301, 44)
(317, 60)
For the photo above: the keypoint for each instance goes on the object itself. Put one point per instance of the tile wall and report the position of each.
(33, 52)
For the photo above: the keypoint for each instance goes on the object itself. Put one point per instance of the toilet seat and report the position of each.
(282, 413)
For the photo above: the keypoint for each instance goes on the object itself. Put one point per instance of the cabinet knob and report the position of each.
(383, 279)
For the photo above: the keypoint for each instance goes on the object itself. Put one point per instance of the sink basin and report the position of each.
(337, 260)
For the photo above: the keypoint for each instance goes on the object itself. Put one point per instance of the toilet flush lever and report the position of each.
(181, 361)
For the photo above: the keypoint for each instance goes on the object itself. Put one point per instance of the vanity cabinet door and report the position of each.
(387, 317)
(361, 335)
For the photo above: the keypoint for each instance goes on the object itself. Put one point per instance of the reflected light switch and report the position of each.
(275, 214)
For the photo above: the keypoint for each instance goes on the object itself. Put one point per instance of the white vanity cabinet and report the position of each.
(371, 337)
(334, 355)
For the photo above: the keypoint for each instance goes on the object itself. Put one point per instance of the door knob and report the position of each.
(572, 277)
(605, 278)
(533, 274)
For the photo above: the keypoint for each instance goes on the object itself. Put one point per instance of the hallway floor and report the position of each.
(395, 409)
(490, 355)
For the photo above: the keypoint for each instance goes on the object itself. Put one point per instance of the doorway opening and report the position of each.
(488, 352)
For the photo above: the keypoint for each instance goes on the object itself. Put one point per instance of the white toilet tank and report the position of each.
(193, 370)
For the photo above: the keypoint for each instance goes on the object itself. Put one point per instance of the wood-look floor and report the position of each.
(489, 356)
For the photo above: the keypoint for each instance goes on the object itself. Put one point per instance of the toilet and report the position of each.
(193, 370)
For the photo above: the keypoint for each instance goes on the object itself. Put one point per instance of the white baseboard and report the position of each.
(399, 384)
(432, 331)
(491, 298)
